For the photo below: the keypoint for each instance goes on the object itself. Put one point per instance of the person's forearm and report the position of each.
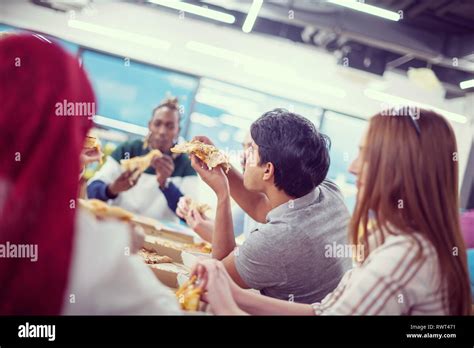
(223, 240)
(257, 304)
(255, 204)
(205, 231)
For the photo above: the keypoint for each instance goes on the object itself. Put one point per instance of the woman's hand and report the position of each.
(183, 208)
(201, 224)
(219, 287)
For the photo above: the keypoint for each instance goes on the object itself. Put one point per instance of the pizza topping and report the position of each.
(202, 208)
(209, 154)
(152, 258)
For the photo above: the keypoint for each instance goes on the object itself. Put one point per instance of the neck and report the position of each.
(277, 197)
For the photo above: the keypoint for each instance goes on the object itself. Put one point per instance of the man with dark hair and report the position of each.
(303, 214)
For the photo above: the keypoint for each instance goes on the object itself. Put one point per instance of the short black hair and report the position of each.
(297, 150)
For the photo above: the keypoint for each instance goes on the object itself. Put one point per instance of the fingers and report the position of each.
(165, 161)
(199, 166)
(133, 178)
(196, 215)
(183, 207)
(128, 173)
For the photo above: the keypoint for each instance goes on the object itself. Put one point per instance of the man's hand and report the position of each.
(215, 177)
(124, 182)
(164, 167)
(203, 139)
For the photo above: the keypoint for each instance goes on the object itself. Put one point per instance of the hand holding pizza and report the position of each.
(219, 286)
(124, 182)
(164, 167)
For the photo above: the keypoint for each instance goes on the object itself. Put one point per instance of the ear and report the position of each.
(269, 171)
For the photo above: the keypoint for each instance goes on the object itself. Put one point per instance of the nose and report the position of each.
(354, 167)
(162, 130)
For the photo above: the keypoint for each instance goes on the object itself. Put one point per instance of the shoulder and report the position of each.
(402, 254)
(128, 149)
(329, 189)
(269, 236)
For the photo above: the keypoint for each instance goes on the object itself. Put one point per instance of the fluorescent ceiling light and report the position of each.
(228, 103)
(232, 90)
(203, 120)
(196, 10)
(467, 84)
(236, 121)
(265, 69)
(399, 101)
(125, 126)
(252, 16)
(218, 52)
(373, 10)
(119, 34)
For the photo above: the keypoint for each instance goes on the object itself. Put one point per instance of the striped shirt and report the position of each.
(399, 277)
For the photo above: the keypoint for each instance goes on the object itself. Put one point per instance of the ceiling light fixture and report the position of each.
(370, 9)
(196, 10)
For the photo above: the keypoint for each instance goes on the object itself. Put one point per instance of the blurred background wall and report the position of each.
(334, 65)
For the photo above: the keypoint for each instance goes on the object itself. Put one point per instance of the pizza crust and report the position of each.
(140, 163)
(103, 210)
(209, 154)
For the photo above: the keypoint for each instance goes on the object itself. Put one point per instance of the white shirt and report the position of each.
(105, 279)
(393, 280)
(145, 198)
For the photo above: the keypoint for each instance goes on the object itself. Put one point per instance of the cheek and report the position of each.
(249, 175)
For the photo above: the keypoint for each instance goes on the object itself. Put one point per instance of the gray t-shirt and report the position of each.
(285, 258)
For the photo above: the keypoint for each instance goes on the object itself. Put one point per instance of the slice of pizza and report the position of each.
(202, 247)
(152, 258)
(93, 143)
(141, 163)
(202, 208)
(103, 210)
(189, 295)
(209, 154)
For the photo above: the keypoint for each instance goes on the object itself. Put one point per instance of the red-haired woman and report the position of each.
(405, 223)
(56, 259)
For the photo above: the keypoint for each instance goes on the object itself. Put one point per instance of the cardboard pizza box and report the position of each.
(172, 248)
(168, 273)
(167, 230)
(190, 258)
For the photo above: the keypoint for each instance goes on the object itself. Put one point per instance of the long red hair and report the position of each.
(39, 168)
(412, 164)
